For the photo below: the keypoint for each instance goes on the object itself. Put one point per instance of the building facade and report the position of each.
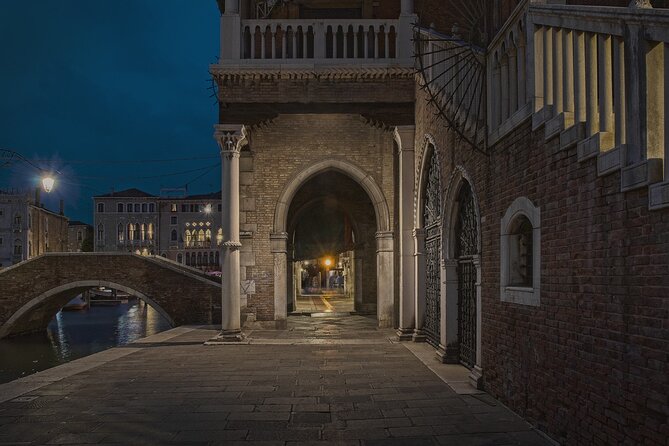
(79, 237)
(508, 199)
(184, 229)
(27, 229)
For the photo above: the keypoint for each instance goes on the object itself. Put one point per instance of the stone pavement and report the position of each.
(323, 381)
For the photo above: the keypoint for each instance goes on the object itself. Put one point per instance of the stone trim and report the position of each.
(308, 71)
(519, 294)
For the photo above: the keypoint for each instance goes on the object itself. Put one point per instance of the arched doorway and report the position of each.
(431, 223)
(334, 211)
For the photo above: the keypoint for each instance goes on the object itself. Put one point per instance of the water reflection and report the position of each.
(74, 334)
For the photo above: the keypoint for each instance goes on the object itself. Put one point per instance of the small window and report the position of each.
(121, 233)
(520, 251)
(180, 258)
(101, 207)
(152, 207)
(194, 208)
(18, 247)
(119, 207)
(137, 207)
(0, 241)
(80, 236)
(173, 220)
(184, 208)
(149, 231)
(101, 232)
(173, 207)
(144, 207)
(129, 207)
(17, 219)
(220, 207)
(2, 212)
(174, 235)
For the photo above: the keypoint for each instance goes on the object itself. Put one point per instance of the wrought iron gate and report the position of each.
(466, 250)
(432, 224)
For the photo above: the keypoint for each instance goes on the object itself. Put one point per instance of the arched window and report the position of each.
(188, 258)
(121, 233)
(200, 237)
(101, 207)
(131, 232)
(143, 232)
(520, 251)
(119, 207)
(137, 231)
(129, 207)
(219, 237)
(17, 219)
(187, 238)
(199, 259)
(101, 232)
(18, 247)
(174, 236)
(218, 258)
(149, 231)
(207, 236)
(180, 258)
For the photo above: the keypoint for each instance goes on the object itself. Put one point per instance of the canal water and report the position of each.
(74, 334)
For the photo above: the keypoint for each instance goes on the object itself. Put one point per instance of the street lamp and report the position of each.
(48, 183)
(207, 209)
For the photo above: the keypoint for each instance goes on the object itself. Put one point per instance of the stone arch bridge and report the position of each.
(32, 292)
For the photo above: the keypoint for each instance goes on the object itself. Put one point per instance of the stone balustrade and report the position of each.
(599, 81)
(297, 40)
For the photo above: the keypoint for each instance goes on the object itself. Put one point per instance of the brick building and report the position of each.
(508, 201)
(28, 229)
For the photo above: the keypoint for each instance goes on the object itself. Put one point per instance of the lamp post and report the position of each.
(48, 180)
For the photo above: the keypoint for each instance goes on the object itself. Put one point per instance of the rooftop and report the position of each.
(128, 193)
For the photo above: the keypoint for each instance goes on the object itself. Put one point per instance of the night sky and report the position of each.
(95, 88)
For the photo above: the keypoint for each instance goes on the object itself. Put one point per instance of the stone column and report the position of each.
(230, 140)
(231, 31)
(405, 33)
(385, 295)
(405, 137)
(419, 277)
(279, 243)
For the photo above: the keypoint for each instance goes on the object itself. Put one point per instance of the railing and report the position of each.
(296, 40)
(453, 74)
(601, 78)
(509, 100)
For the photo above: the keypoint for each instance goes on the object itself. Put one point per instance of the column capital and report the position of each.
(230, 139)
(405, 136)
(231, 245)
(385, 241)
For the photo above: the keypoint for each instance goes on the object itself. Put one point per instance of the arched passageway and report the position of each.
(334, 212)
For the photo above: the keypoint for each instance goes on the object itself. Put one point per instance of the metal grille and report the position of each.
(432, 222)
(467, 312)
(467, 247)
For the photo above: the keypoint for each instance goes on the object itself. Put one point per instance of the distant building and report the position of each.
(79, 237)
(186, 229)
(27, 229)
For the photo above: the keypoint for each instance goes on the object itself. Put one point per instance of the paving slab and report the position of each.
(360, 388)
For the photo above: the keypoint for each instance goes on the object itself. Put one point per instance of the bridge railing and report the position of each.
(601, 80)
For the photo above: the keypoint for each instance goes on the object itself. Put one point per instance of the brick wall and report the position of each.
(589, 365)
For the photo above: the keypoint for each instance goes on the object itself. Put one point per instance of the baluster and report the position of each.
(376, 43)
(274, 31)
(568, 70)
(605, 84)
(548, 65)
(356, 41)
(619, 92)
(284, 43)
(591, 84)
(558, 83)
(579, 76)
(386, 48)
(305, 42)
(253, 43)
(263, 44)
(295, 53)
(367, 43)
(513, 79)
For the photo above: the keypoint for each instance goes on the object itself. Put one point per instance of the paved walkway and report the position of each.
(323, 381)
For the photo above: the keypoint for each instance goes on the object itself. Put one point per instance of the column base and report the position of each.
(476, 377)
(419, 336)
(405, 334)
(447, 355)
(227, 337)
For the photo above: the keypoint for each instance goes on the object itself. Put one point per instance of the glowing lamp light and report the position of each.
(48, 183)
(328, 262)
(207, 209)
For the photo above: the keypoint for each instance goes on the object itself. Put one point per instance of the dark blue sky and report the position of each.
(83, 81)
